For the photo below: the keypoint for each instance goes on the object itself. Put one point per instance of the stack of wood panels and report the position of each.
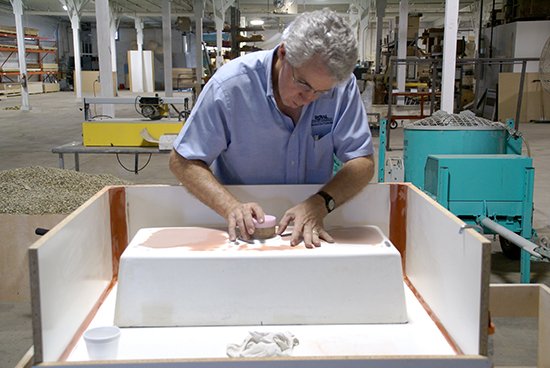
(183, 78)
(11, 30)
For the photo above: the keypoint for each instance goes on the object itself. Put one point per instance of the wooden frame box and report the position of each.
(74, 267)
(525, 300)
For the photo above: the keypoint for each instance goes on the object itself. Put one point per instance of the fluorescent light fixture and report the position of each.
(65, 7)
(256, 22)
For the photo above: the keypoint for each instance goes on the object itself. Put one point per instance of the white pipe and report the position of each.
(520, 241)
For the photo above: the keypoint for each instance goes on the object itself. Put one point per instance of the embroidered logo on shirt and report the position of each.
(321, 125)
(321, 120)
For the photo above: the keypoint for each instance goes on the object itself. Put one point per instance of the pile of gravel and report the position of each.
(43, 190)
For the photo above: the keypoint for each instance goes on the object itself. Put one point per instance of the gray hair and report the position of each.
(325, 34)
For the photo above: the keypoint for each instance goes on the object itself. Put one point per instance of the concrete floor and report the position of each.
(26, 139)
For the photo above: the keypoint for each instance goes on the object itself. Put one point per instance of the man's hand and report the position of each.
(240, 215)
(196, 176)
(308, 223)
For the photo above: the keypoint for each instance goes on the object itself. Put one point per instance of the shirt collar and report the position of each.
(269, 69)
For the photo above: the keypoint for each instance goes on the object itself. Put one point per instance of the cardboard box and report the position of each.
(413, 25)
(9, 88)
(183, 78)
(535, 104)
(35, 87)
(51, 87)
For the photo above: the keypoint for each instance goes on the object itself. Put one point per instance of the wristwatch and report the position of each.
(329, 201)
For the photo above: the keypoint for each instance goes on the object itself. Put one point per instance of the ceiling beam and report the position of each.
(92, 14)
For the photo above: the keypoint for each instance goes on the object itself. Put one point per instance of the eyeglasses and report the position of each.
(305, 87)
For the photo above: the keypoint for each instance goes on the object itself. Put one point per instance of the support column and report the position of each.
(402, 46)
(113, 26)
(102, 14)
(380, 12)
(354, 12)
(363, 34)
(73, 9)
(77, 82)
(138, 23)
(198, 6)
(449, 56)
(219, 41)
(23, 78)
(140, 63)
(167, 46)
(220, 7)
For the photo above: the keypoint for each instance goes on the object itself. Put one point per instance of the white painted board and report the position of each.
(162, 205)
(75, 267)
(449, 268)
(140, 70)
(419, 337)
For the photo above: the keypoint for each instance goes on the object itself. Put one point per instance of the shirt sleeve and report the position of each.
(205, 134)
(351, 134)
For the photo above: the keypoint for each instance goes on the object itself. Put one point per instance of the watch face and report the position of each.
(330, 204)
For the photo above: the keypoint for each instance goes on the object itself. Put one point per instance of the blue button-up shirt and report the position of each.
(237, 128)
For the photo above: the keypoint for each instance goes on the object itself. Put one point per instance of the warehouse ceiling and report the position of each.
(150, 10)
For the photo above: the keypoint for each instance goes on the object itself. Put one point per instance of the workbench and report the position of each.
(78, 148)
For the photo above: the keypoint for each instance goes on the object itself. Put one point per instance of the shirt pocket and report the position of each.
(322, 162)
(320, 131)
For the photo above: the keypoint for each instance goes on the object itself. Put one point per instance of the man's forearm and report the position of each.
(351, 179)
(199, 180)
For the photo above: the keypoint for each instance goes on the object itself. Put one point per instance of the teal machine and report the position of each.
(474, 168)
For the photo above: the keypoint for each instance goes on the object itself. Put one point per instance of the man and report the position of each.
(278, 117)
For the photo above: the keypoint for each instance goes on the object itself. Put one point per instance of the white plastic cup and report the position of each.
(102, 342)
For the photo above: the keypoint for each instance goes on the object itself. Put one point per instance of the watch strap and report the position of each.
(329, 201)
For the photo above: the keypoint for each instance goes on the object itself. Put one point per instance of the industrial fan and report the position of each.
(284, 7)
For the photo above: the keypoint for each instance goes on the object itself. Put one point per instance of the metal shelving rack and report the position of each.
(10, 49)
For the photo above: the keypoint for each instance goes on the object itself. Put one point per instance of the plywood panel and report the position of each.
(17, 234)
(161, 206)
(544, 326)
(525, 300)
(449, 269)
(510, 300)
(90, 84)
(75, 268)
